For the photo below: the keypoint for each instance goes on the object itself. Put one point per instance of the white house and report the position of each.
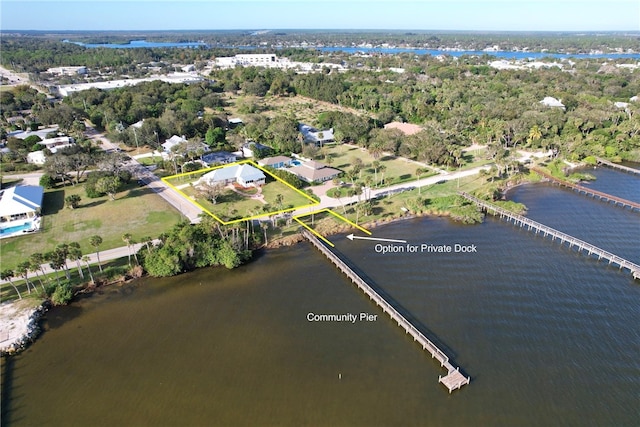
(172, 142)
(315, 136)
(20, 203)
(54, 144)
(36, 157)
(550, 101)
(245, 175)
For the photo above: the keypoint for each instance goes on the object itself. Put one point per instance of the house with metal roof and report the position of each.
(245, 175)
(20, 208)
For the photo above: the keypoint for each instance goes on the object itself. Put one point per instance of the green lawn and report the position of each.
(136, 210)
(396, 170)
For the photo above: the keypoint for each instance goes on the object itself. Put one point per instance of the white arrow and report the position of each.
(351, 237)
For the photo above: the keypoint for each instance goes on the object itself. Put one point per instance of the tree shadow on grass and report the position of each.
(92, 204)
(53, 202)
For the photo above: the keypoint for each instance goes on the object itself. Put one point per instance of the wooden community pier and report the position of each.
(590, 192)
(454, 378)
(555, 234)
(617, 166)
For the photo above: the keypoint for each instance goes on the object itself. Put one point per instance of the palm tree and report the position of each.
(147, 240)
(265, 226)
(126, 237)
(35, 267)
(75, 253)
(420, 172)
(38, 259)
(376, 166)
(63, 253)
(382, 168)
(8, 275)
(86, 259)
(96, 241)
(22, 270)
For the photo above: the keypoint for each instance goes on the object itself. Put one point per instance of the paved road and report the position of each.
(329, 202)
(186, 208)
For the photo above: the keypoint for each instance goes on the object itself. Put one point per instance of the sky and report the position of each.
(464, 15)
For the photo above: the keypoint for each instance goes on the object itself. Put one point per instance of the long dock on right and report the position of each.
(555, 234)
(618, 166)
(589, 191)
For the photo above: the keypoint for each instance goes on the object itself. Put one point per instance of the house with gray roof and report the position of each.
(313, 171)
(245, 175)
(219, 157)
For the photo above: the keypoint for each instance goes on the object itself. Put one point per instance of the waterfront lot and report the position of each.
(135, 210)
(235, 203)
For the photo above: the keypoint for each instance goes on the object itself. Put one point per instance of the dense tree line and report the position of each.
(189, 246)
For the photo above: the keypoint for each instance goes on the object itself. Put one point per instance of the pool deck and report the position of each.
(34, 226)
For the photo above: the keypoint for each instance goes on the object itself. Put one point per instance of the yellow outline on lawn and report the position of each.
(251, 163)
(332, 213)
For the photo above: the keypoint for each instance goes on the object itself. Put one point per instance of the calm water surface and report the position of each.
(548, 336)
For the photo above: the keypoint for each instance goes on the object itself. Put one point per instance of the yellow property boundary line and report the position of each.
(297, 218)
(251, 163)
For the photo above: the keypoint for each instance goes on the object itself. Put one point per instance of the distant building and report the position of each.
(313, 171)
(406, 128)
(245, 175)
(36, 157)
(172, 142)
(312, 135)
(54, 144)
(67, 71)
(186, 78)
(550, 101)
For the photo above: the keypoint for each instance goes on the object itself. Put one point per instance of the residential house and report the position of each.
(36, 157)
(20, 203)
(276, 162)
(251, 148)
(219, 157)
(550, 101)
(313, 171)
(314, 136)
(172, 142)
(245, 175)
(54, 144)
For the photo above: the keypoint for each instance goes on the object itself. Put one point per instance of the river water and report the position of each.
(548, 336)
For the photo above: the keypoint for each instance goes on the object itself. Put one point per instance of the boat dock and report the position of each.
(617, 166)
(590, 192)
(454, 378)
(555, 234)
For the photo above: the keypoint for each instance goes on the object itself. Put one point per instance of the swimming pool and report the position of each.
(14, 229)
(296, 162)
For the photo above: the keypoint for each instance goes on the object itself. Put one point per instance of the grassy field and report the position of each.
(416, 201)
(136, 210)
(396, 170)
